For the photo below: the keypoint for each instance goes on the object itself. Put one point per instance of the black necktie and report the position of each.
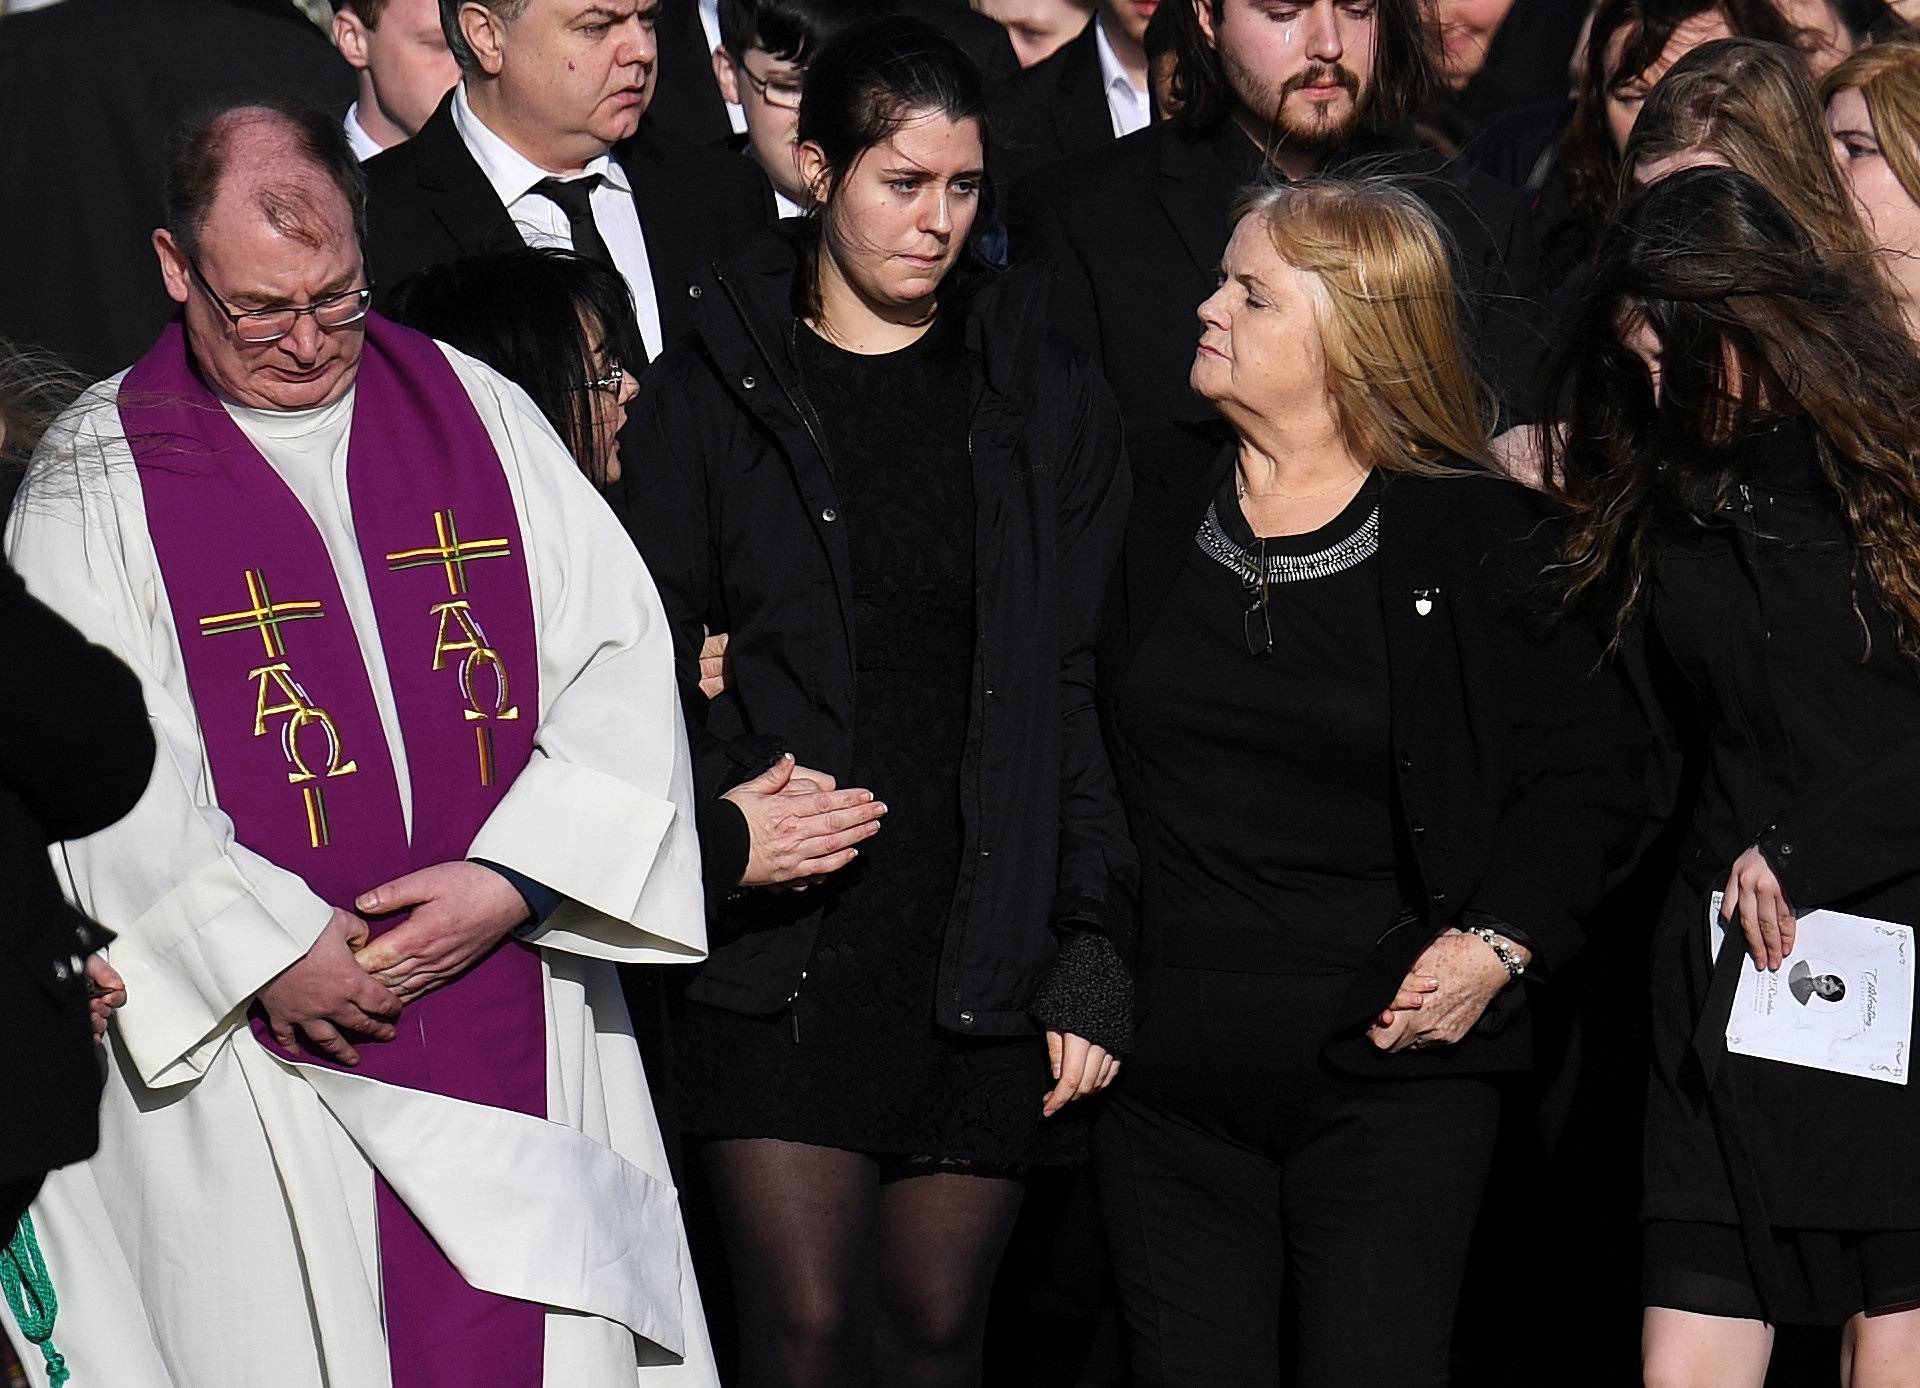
(575, 198)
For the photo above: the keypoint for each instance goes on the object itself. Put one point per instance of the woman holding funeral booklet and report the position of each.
(1741, 453)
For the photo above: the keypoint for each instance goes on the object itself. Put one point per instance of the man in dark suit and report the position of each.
(542, 142)
(1134, 231)
(687, 100)
(89, 92)
(1087, 95)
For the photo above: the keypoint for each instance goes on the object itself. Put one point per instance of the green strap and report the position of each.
(29, 1292)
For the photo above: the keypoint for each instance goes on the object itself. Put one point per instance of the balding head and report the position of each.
(292, 162)
(265, 218)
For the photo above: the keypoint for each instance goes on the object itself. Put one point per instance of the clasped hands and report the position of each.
(348, 985)
(1443, 995)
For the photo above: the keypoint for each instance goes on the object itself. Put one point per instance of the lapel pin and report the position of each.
(1423, 600)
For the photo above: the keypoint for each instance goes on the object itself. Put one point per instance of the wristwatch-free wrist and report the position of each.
(1502, 948)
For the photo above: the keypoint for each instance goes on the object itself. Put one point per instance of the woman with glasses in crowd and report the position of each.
(1740, 448)
(876, 468)
(1371, 796)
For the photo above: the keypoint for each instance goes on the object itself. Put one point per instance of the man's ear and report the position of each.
(486, 34)
(350, 37)
(173, 265)
(1203, 12)
(724, 74)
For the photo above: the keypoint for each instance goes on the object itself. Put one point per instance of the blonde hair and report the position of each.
(1751, 103)
(1888, 78)
(1404, 396)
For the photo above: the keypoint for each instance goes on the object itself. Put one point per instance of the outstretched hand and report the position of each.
(460, 912)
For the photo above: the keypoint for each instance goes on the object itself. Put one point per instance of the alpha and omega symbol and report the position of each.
(484, 681)
(277, 691)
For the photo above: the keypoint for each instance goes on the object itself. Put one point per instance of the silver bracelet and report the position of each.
(1502, 948)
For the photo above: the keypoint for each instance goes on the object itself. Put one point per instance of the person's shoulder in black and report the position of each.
(686, 99)
(1054, 110)
(427, 203)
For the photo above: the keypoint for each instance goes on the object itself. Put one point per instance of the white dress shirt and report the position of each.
(541, 222)
(710, 21)
(1126, 103)
(364, 145)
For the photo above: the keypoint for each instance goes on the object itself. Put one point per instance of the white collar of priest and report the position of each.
(510, 173)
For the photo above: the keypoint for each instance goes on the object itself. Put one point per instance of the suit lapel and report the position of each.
(673, 240)
(463, 202)
(1080, 117)
(1193, 197)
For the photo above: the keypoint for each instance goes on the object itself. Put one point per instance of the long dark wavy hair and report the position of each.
(1752, 323)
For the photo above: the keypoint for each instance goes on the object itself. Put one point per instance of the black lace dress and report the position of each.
(857, 1061)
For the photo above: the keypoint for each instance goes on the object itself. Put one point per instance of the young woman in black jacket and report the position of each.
(877, 471)
(1741, 448)
(1370, 792)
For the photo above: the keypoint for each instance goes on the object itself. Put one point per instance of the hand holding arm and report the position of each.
(1444, 994)
(460, 911)
(325, 993)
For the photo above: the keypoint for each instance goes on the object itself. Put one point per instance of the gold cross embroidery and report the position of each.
(265, 616)
(451, 553)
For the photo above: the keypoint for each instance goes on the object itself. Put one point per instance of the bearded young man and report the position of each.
(374, 1114)
(1271, 89)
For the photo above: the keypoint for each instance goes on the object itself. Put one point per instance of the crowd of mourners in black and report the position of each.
(1241, 571)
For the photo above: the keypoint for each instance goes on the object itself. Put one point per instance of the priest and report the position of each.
(374, 1112)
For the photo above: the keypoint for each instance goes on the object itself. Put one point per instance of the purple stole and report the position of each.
(299, 759)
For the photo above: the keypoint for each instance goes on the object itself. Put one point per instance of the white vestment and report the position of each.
(225, 1234)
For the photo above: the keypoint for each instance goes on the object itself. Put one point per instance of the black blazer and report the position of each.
(736, 514)
(1519, 764)
(76, 756)
(1053, 110)
(90, 91)
(686, 99)
(1134, 232)
(429, 203)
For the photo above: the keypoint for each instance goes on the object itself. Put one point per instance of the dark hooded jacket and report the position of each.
(732, 502)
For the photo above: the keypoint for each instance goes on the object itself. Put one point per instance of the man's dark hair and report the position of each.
(791, 30)
(526, 313)
(463, 53)
(201, 149)
(368, 10)
(1405, 75)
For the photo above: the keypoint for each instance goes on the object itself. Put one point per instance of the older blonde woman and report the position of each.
(1873, 111)
(1369, 796)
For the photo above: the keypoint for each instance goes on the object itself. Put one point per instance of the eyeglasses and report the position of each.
(271, 324)
(1257, 621)
(610, 382)
(784, 93)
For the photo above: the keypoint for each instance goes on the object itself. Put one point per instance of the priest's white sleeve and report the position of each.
(603, 814)
(203, 923)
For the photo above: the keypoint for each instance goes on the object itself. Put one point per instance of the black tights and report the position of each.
(845, 1278)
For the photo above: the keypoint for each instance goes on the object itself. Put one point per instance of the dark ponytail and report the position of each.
(866, 83)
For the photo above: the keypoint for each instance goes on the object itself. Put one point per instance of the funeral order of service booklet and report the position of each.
(1843, 1001)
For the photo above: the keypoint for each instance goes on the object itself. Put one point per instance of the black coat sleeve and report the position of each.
(1859, 832)
(1578, 756)
(79, 752)
(1037, 235)
(668, 516)
(1099, 868)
